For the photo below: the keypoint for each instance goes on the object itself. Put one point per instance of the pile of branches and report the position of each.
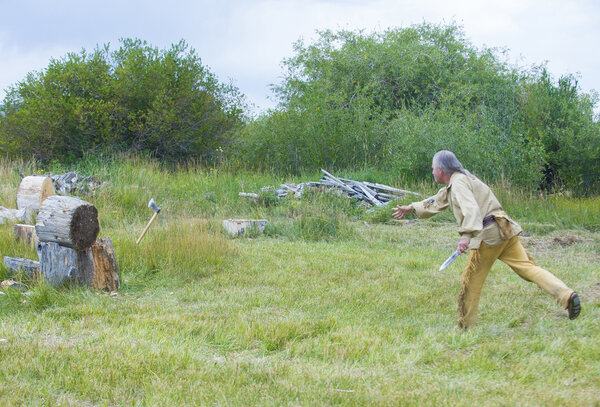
(370, 193)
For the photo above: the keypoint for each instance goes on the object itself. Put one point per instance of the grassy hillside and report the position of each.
(331, 306)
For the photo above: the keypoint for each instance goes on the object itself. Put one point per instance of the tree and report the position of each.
(137, 98)
(560, 119)
(391, 99)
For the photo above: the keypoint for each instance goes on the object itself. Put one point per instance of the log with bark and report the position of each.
(34, 190)
(67, 221)
(30, 268)
(106, 269)
(25, 233)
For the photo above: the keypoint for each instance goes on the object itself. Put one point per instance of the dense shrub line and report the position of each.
(351, 100)
(391, 99)
(137, 98)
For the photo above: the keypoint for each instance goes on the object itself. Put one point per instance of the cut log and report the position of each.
(106, 269)
(32, 191)
(30, 268)
(67, 221)
(25, 233)
(237, 227)
(60, 265)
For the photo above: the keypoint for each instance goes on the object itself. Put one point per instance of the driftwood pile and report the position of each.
(370, 193)
(65, 238)
(73, 183)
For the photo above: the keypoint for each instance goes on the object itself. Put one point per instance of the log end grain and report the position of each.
(33, 190)
(84, 226)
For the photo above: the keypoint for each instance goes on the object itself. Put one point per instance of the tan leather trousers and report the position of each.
(513, 254)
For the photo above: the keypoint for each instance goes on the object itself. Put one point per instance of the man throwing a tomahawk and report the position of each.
(488, 231)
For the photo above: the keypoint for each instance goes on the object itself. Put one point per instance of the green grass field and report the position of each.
(330, 306)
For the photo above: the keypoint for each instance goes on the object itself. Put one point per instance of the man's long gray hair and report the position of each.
(447, 162)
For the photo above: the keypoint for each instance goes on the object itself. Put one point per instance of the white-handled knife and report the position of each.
(449, 260)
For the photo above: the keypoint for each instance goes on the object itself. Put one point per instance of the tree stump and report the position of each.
(106, 269)
(67, 221)
(30, 268)
(25, 233)
(32, 191)
(60, 265)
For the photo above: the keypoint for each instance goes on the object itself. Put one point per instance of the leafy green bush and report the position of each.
(390, 100)
(561, 121)
(136, 98)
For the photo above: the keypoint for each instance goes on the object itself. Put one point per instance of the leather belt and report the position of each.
(488, 220)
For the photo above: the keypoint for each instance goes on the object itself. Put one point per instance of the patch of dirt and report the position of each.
(555, 243)
(567, 240)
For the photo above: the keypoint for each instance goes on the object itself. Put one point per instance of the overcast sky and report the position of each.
(246, 41)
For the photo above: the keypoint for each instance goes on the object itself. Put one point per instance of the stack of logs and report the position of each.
(65, 237)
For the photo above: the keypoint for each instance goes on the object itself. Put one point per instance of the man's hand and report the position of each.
(401, 211)
(463, 245)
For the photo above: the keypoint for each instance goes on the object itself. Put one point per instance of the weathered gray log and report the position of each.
(106, 269)
(12, 215)
(67, 221)
(249, 195)
(237, 227)
(60, 265)
(386, 188)
(291, 188)
(25, 233)
(337, 182)
(34, 190)
(30, 268)
(368, 193)
(388, 197)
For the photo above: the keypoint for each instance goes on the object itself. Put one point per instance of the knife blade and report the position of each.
(449, 260)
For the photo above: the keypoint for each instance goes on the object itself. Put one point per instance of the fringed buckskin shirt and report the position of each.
(471, 200)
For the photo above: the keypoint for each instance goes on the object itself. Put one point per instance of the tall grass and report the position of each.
(549, 212)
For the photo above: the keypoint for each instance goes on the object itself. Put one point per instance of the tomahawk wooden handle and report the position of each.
(147, 227)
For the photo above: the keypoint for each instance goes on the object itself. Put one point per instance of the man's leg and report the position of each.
(478, 266)
(516, 258)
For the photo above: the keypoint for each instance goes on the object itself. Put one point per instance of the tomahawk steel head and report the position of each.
(152, 205)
